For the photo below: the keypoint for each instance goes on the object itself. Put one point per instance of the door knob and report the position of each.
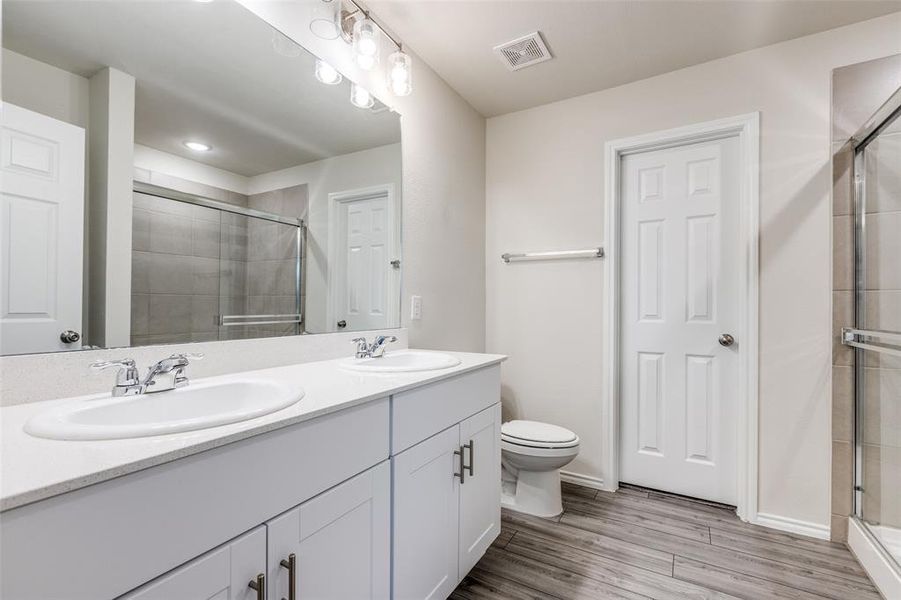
(69, 336)
(726, 340)
(342, 324)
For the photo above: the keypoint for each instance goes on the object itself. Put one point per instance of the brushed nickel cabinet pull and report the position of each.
(291, 565)
(472, 457)
(259, 584)
(462, 473)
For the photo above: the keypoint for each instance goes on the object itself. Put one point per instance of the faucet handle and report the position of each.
(128, 371)
(188, 355)
(122, 363)
(362, 347)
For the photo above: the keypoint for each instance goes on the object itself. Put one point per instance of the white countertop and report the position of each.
(33, 469)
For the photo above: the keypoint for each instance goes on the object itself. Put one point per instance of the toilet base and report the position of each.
(534, 493)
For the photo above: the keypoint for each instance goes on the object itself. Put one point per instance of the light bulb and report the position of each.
(368, 46)
(327, 74)
(366, 43)
(360, 97)
(400, 74)
(365, 62)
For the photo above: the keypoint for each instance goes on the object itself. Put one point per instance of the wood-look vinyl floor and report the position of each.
(639, 544)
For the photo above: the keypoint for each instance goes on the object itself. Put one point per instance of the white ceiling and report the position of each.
(597, 44)
(206, 71)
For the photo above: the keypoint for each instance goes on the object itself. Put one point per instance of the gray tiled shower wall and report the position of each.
(858, 90)
(190, 263)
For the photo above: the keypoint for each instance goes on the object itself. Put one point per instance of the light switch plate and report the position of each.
(415, 308)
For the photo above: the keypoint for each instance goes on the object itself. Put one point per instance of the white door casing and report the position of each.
(678, 384)
(41, 231)
(745, 129)
(364, 283)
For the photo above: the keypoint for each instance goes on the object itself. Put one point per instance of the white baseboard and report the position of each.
(874, 561)
(814, 530)
(595, 483)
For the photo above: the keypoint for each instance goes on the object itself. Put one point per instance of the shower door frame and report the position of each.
(882, 118)
(197, 200)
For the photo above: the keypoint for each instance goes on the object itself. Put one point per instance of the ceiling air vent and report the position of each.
(523, 52)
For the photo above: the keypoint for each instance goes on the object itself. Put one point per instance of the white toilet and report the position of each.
(532, 454)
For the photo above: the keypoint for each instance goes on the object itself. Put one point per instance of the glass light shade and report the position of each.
(327, 74)
(360, 97)
(325, 20)
(366, 43)
(400, 74)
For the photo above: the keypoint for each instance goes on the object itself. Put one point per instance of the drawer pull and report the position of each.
(259, 584)
(462, 473)
(291, 565)
(472, 457)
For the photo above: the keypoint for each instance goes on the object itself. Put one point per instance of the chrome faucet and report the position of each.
(165, 375)
(128, 382)
(374, 350)
(168, 373)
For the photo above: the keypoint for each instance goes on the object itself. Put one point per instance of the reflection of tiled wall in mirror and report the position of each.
(272, 258)
(192, 263)
(857, 92)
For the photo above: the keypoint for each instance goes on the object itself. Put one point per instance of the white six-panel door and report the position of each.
(41, 231)
(365, 278)
(678, 384)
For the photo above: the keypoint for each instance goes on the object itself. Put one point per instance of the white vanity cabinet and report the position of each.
(335, 546)
(447, 487)
(340, 542)
(221, 574)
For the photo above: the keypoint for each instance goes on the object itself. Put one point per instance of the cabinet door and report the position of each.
(426, 518)
(341, 541)
(221, 574)
(480, 493)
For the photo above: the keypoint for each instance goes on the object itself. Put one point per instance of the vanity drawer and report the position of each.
(106, 539)
(423, 412)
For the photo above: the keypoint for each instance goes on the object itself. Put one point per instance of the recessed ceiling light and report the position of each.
(198, 146)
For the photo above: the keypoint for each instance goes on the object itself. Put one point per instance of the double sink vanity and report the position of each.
(348, 478)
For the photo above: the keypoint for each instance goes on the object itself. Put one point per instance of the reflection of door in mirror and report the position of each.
(41, 232)
(365, 268)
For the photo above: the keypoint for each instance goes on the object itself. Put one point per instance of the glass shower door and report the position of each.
(877, 338)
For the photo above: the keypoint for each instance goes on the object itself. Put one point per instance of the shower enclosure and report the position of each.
(876, 332)
(205, 269)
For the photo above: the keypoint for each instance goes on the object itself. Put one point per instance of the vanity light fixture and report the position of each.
(356, 26)
(325, 22)
(366, 42)
(400, 75)
(197, 146)
(327, 74)
(360, 97)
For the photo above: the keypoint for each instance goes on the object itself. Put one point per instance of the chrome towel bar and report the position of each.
(855, 338)
(232, 320)
(560, 254)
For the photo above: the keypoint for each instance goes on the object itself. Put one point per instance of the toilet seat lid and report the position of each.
(535, 432)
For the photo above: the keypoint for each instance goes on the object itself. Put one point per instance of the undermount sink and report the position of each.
(196, 406)
(402, 361)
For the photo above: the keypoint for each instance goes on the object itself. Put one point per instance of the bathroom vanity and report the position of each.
(371, 486)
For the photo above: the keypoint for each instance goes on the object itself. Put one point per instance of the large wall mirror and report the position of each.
(176, 172)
